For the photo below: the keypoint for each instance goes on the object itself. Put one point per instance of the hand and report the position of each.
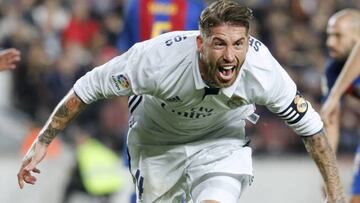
(34, 156)
(329, 108)
(8, 58)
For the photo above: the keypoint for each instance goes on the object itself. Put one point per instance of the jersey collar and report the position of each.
(229, 91)
(199, 83)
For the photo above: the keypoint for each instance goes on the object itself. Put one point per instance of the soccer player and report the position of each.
(343, 42)
(145, 19)
(190, 93)
(8, 58)
(348, 74)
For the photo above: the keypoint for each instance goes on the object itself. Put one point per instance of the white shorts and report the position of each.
(200, 170)
(225, 189)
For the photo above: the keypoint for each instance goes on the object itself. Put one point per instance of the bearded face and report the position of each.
(340, 38)
(222, 53)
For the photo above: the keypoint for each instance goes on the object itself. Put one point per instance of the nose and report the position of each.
(229, 55)
(330, 42)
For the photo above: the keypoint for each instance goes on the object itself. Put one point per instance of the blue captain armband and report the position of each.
(296, 110)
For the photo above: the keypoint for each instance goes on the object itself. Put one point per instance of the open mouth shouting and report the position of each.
(226, 73)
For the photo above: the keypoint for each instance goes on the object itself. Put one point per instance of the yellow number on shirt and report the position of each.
(160, 27)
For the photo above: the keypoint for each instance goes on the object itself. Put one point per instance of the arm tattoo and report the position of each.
(320, 150)
(64, 112)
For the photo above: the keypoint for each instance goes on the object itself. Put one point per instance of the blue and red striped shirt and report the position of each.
(149, 18)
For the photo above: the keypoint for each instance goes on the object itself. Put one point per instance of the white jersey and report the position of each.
(169, 99)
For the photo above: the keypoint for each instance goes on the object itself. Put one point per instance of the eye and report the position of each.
(239, 44)
(219, 44)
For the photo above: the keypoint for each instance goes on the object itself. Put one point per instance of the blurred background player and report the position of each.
(343, 31)
(349, 73)
(145, 19)
(98, 173)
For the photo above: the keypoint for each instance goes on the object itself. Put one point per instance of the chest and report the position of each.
(179, 95)
(196, 104)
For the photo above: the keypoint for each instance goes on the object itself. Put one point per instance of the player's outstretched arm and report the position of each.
(320, 150)
(69, 107)
(350, 71)
(8, 58)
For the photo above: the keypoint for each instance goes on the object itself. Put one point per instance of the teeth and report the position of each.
(227, 67)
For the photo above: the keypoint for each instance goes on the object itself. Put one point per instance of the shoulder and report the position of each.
(259, 61)
(167, 49)
(263, 72)
(175, 39)
(258, 54)
(151, 61)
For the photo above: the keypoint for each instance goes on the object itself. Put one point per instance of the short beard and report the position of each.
(209, 75)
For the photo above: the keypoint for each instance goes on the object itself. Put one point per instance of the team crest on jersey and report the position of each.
(236, 101)
(301, 104)
(121, 81)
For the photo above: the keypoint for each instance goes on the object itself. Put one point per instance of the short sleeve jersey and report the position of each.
(168, 97)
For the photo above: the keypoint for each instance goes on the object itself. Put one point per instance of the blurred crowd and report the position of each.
(60, 40)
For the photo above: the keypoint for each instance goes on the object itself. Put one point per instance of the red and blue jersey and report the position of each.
(149, 18)
(332, 72)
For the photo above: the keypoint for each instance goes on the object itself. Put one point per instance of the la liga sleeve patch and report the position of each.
(121, 82)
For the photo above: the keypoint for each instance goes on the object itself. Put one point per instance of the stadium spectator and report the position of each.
(51, 18)
(82, 29)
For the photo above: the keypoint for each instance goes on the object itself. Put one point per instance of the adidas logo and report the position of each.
(174, 99)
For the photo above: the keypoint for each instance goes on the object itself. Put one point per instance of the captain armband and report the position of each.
(296, 110)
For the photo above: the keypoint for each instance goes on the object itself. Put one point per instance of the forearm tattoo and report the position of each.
(320, 150)
(65, 111)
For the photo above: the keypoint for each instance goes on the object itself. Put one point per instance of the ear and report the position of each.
(199, 43)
